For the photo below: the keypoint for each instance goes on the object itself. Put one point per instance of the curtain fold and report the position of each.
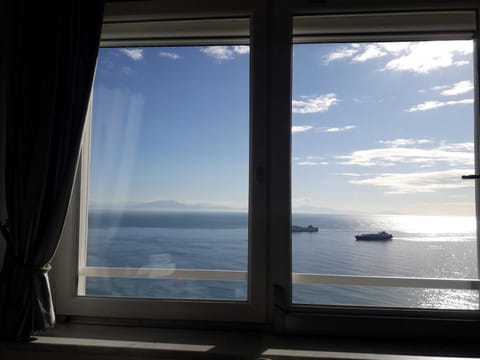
(49, 52)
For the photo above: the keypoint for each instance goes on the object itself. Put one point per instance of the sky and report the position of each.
(376, 127)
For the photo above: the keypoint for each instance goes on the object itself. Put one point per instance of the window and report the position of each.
(258, 110)
(166, 214)
(383, 147)
(168, 189)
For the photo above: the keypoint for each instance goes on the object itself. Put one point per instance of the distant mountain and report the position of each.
(177, 205)
(317, 210)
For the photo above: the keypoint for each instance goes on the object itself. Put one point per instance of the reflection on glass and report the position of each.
(168, 182)
(382, 133)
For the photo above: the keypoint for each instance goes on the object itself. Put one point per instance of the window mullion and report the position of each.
(279, 159)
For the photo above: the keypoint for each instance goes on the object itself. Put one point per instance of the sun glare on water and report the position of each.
(434, 226)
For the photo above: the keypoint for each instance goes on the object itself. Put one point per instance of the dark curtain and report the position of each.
(48, 56)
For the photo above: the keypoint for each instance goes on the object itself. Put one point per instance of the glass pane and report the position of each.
(382, 133)
(169, 170)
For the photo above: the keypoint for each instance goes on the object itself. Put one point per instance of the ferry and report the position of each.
(380, 236)
(308, 228)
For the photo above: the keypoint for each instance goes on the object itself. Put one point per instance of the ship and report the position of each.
(308, 228)
(380, 236)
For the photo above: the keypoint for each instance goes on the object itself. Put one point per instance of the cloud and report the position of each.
(312, 104)
(307, 163)
(301, 128)
(424, 57)
(241, 49)
(346, 174)
(311, 160)
(339, 129)
(169, 55)
(371, 51)
(316, 157)
(396, 48)
(458, 147)
(418, 182)
(419, 57)
(404, 142)
(134, 54)
(222, 53)
(312, 163)
(452, 154)
(434, 104)
(458, 88)
(341, 54)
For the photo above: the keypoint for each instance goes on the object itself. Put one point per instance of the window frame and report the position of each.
(271, 37)
(64, 280)
(339, 319)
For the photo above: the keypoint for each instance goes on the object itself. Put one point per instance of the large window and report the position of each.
(234, 158)
(383, 147)
(166, 217)
(168, 181)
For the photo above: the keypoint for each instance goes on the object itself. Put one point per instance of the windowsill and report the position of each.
(80, 340)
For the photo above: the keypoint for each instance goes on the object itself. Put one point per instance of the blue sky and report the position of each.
(171, 124)
(379, 128)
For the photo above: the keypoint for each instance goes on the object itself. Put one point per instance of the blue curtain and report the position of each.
(48, 56)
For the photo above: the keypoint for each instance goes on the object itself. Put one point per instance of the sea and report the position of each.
(422, 246)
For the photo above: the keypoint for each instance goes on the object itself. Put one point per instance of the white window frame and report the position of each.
(161, 24)
(352, 22)
(270, 261)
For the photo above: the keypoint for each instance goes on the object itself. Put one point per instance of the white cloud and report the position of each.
(434, 104)
(396, 47)
(404, 142)
(371, 51)
(222, 53)
(134, 54)
(316, 157)
(218, 52)
(418, 57)
(346, 174)
(458, 147)
(311, 160)
(458, 88)
(312, 163)
(426, 56)
(307, 163)
(452, 154)
(462, 62)
(340, 54)
(169, 55)
(313, 104)
(241, 49)
(438, 88)
(339, 129)
(418, 182)
(301, 128)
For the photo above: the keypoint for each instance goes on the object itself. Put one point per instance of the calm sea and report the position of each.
(434, 247)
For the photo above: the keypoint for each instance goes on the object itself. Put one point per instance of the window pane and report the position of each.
(382, 133)
(169, 171)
